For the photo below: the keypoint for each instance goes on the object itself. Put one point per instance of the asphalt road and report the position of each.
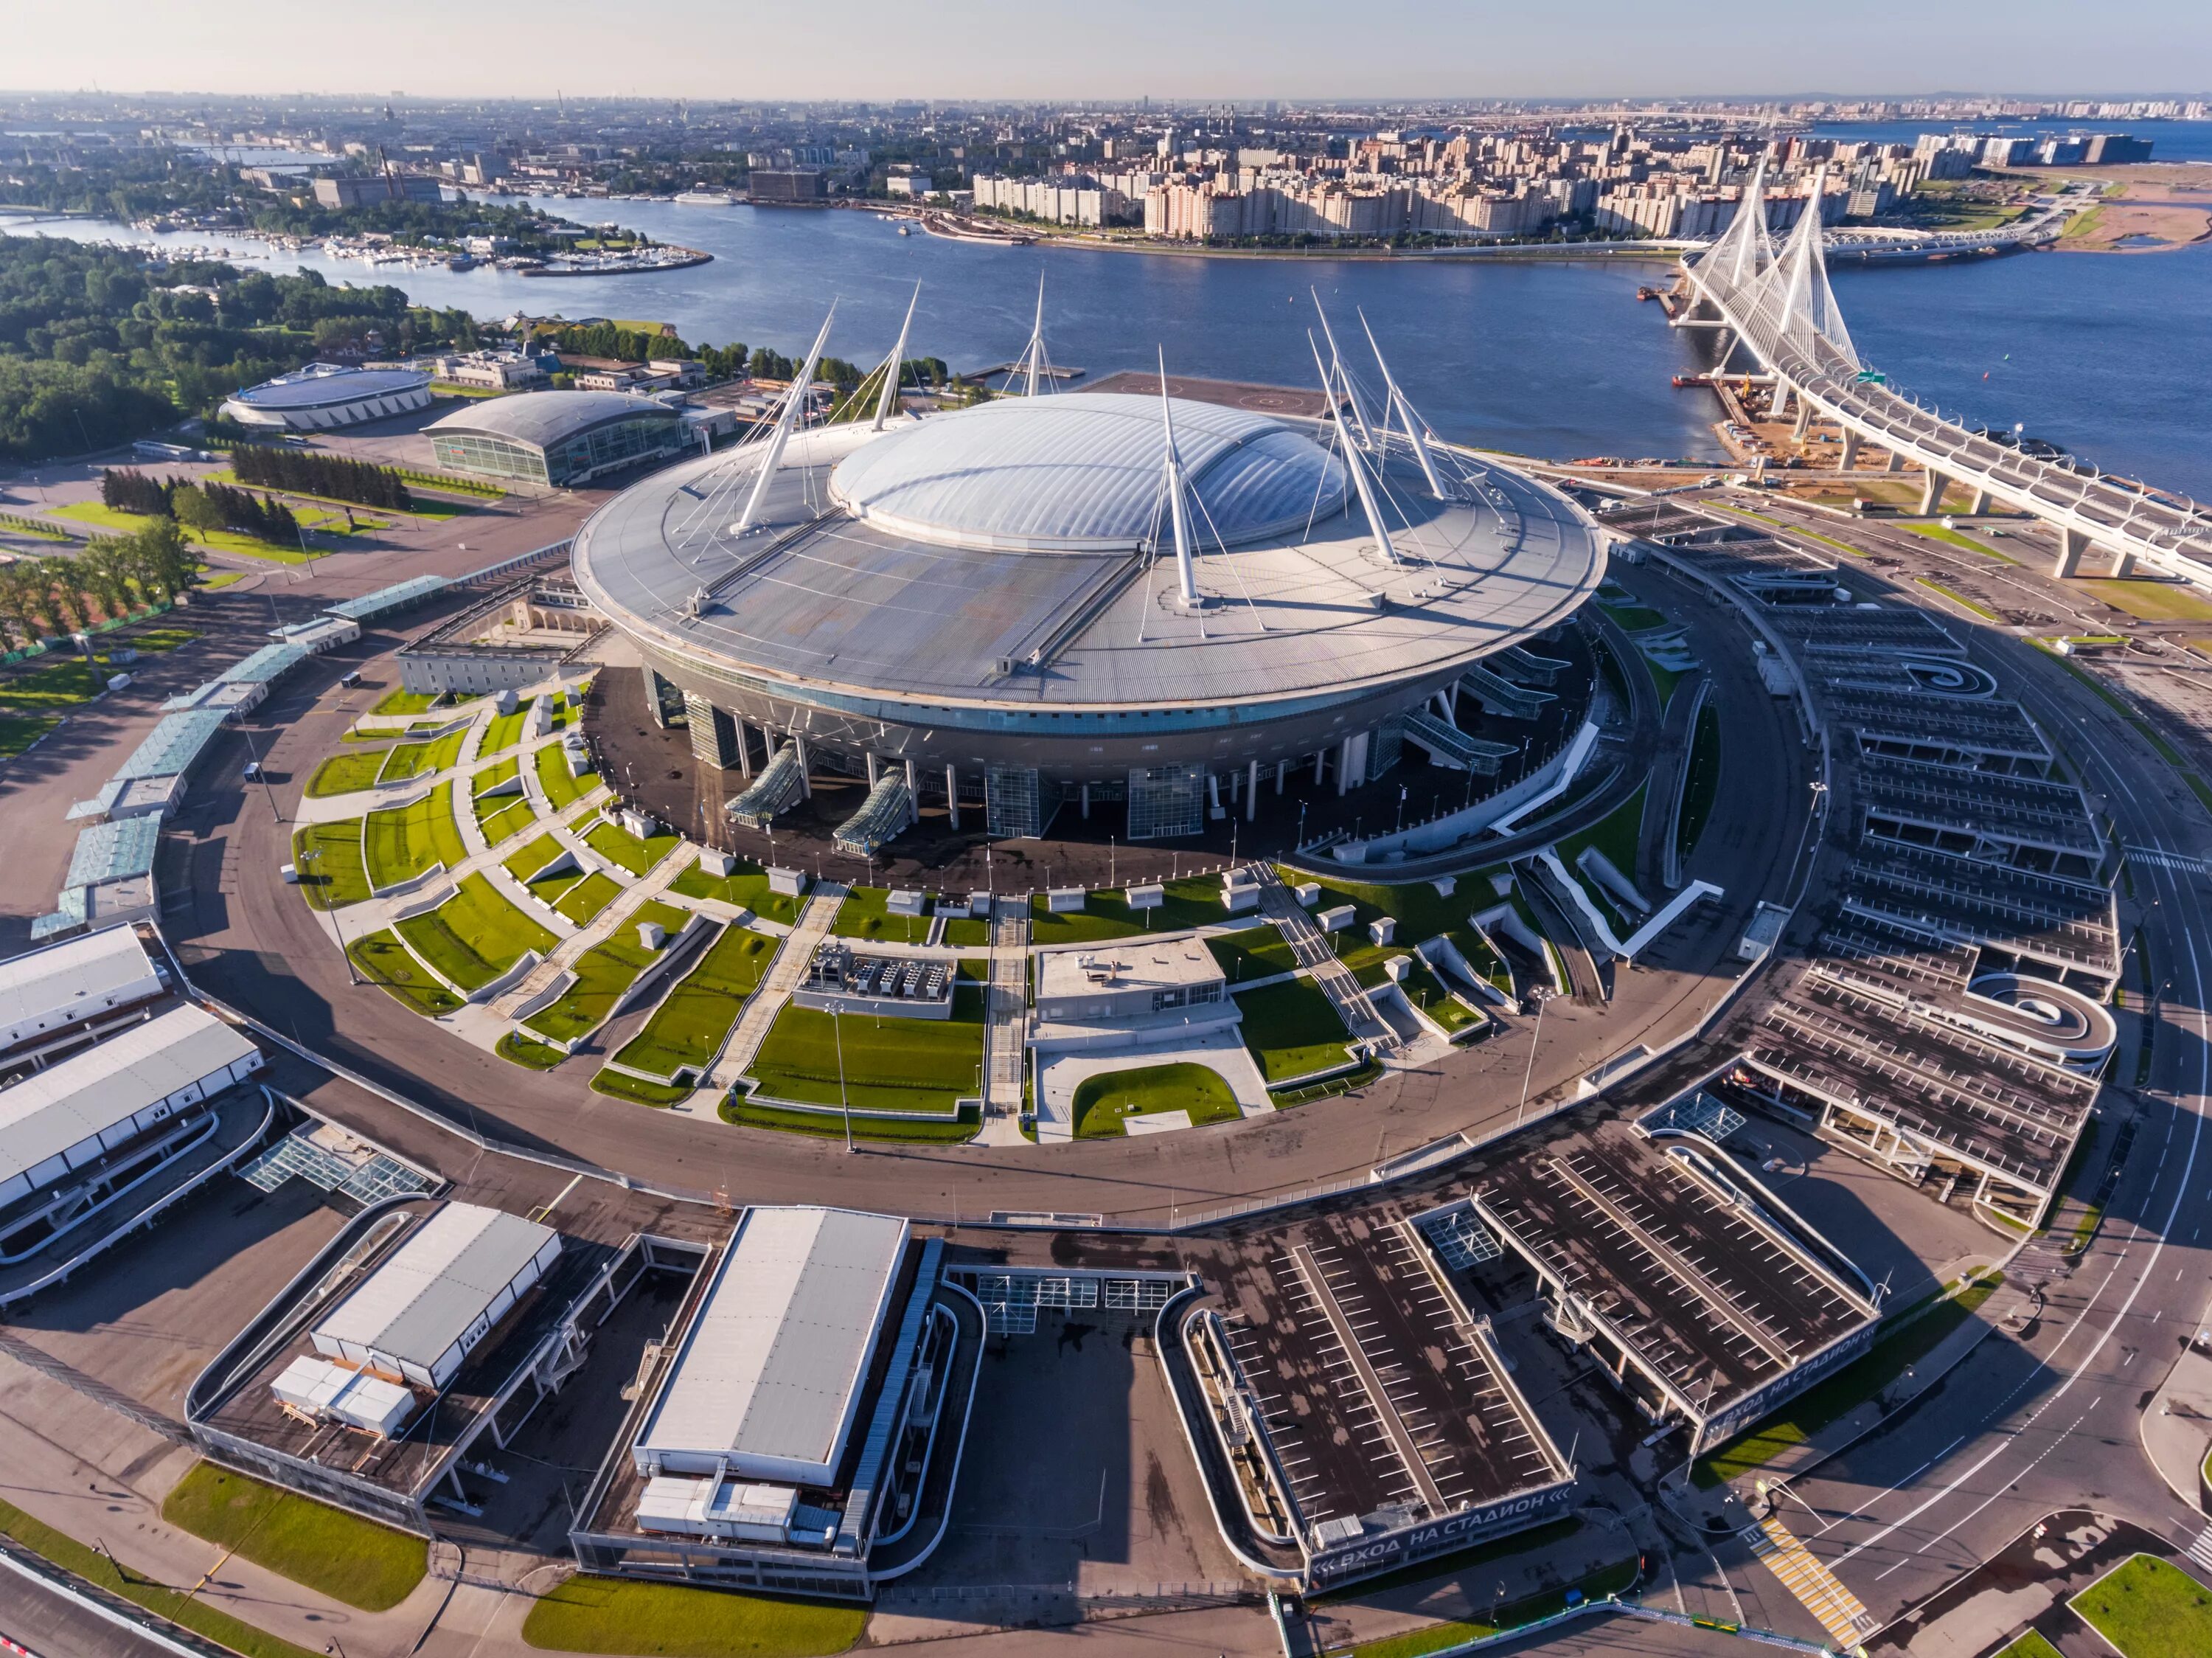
(48, 1625)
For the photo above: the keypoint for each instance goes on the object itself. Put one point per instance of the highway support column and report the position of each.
(1850, 458)
(1931, 491)
(1981, 502)
(2072, 543)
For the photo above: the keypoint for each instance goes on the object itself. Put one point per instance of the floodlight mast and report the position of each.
(1354, 460)
(887, 404)
(793, 402)
(1416, 428)
(1034, 354)
(1186, 576)
(1336, 362)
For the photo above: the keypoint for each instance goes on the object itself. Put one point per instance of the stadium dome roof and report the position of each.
(321, 385)
(544, 418)
(1081, 472)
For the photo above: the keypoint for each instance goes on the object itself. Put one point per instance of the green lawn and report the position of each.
(475, 936)
(383, 960)
(561, 790)
(96, 1566)
(1196, 902)
(1426, 991)
(863, 915)
(416, 759)
(1256, 953)
(2148, 1608)
(406, 702)
(1101, 1102)
(522, 1050)
(688, 1027)
(1292, 1031)
(514, 815)
(127, 523)
(162, 638)
(1614, 1579)
(1843, 1392)
(587, 897)
(328, 857)
(347, 774)
(1422, 914)
(63, 684)
(1615, 835)
(1701, 786)
(621, 1085)
(672, 1620)
(327, 1549)
(504, 730)
(402, 842)
(944, 1132)
(530, 859)
(2031, 1645)
(746, 887)
(603, 973)
(1955, 538)
(618, 846)
(890, 1065)
(18, 731)
(1632, 617)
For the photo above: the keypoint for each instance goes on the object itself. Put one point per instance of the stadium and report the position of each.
(326, 394)
(556, 438)
(1162, 607)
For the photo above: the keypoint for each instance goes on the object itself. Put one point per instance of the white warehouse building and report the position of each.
(47, 991)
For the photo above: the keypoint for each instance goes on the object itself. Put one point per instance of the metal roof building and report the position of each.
(768, 1378)
(556, 437)
(397, 596)
(75, 1111)
(110, 873)
(441, 1292)
(326, 394)
(46, 990)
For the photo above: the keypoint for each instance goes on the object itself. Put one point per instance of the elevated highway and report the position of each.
(1777, 304)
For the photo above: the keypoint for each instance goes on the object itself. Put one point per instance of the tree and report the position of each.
(195, 509)
(161, 561)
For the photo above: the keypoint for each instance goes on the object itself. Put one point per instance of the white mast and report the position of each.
(1416, 428)
(1336, 362)
(1186, 577)
(1035, 356)
(1351, 459)
(794, 400)
(894, 370)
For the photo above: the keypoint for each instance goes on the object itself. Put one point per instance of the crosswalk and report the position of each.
(2179, 862)
(1833, 1606)
(2201, 1549)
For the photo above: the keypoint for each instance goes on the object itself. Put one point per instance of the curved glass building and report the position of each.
(557, 438)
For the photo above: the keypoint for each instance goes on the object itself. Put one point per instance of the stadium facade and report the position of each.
(557, 438)
(326, 394)
(1164, 603)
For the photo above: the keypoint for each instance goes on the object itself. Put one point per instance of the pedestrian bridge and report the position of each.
(1776, 302)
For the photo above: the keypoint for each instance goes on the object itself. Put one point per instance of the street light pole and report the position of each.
(844, 1102)
(1543, 1002)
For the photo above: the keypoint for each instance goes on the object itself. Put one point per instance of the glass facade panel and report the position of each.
(1020, 804)
(496, 457)
(1166, 801)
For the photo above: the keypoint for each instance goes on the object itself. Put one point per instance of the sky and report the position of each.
(1113, 49)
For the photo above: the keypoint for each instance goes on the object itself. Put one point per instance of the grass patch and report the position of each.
(1631, 617)
(621, 1085)
(603, 973)
(689, 1025)
(890, 1065)
(2148, 1608)
(1102, 1102)
(1422, 913)
(18, 731)
(1293, 1030)
(1830, 1400)
(1255, 953)
(617, 845)
(671, 1620)
(64, 684)
(1955, 538)
(323, 1548)
(514, 814)
(406, 702)
(587, 897)
(561, 790)
(346, 774)
(95, 1567)
(383, 960)
(1614, 1579)
(947, 1132)
(328, 858)
(1195, 902)
(475, 936)
(403, 842)
(1958, 599)
(1426, 991)
(416, 759)
(530, 859)
(864, 914)
(2151, 600)
(522, 1050)
(745, 888)
(162, 638)
(1701, 786)
(505, 730)
(1615, 835)
(126, 523)
(2031, 1645)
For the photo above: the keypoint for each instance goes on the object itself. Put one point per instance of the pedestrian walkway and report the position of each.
(1310, 948)
(2201, 1549)
(784, 975)
(1006, 1023)
(1834, 1607)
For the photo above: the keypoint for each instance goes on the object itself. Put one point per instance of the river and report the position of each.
(2106, 355)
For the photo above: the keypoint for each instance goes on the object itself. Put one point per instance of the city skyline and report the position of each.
(1400, 51)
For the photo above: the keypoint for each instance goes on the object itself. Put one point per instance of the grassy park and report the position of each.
(584, 900)
(865, 914)
(920, 1065)
(1426, 991)
(618, 846)
(1293, 1030)
(745, 887)
(689, 1025)
(406, 702)
(475, 936)
(1255, 953)
(419, 759)
(325, 1549)
(505, 730)
(561, 790)
(347, 774)
(622, 1616)
(603, 973)
(402, 842)
(384, 961)
(1103, 1102)
(1195, 902)
(328, 857)
(1422, 913)
(2148, 1608)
